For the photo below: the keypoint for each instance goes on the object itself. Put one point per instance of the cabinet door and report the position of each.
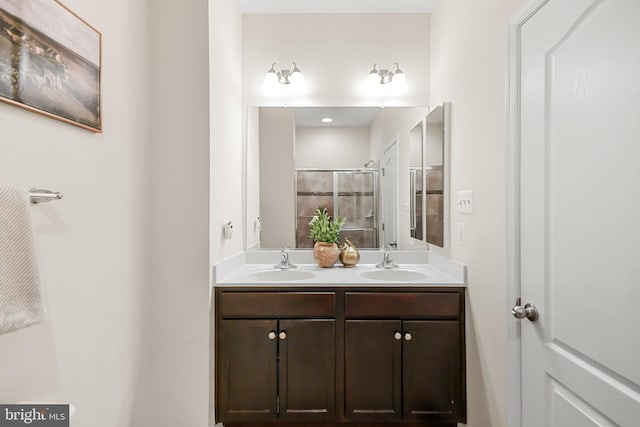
(372, 369)
(247, 365)
(307, 369)
(431, 363)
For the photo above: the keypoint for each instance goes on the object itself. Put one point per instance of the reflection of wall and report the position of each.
(277, 138)
(415, 145)
(389, 124)
(332, 147)
(253, 176)
(433, 147)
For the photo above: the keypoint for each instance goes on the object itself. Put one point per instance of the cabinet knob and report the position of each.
(283, 335)
(272, 335)
(407, 336)
(397, 335)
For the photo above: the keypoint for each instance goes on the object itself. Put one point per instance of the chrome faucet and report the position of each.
(387, 261)
(285, 264)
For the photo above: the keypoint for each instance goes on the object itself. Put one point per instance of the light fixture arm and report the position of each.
(275, 69)
(284, 76)
(386, 75)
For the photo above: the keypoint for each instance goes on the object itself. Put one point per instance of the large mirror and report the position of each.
(296, 163)
(435, 174)
(416, 195)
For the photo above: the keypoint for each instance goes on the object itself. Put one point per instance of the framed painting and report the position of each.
(50, 62)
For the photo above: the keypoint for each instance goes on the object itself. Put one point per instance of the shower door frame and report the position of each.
(336, 172)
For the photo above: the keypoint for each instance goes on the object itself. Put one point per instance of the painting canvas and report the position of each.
(50, 61)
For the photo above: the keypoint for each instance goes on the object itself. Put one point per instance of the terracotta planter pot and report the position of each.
(325, 254)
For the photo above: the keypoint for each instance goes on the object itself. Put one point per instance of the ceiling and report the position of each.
(336, 6)
(342, 116)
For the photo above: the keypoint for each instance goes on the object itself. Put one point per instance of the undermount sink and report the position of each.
(281, 275)
(393, 275)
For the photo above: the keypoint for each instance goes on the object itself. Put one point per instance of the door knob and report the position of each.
(407, 336)
(283, 335)
(397, 335)
(272, 335)
(529, 311)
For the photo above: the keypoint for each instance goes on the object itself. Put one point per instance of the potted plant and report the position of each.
(325, 232)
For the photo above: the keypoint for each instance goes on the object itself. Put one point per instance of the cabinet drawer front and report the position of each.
(402, 304)
(293, 304)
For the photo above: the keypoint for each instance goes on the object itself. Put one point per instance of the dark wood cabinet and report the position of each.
(431, 369)
(373, 358)
(247, 363)
(307, 370)
(402, 370)
(331, 356)
(277, 369)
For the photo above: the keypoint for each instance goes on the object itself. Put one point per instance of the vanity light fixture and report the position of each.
(394, 77)
(327, 120)
(276, 75)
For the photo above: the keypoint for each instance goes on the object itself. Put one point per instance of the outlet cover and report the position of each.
(461, 234)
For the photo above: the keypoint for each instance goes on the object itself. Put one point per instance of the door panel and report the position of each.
(580, 201)
(247, 369)
(373, 369)
(567, 409)
(307, 370)
(431, 369)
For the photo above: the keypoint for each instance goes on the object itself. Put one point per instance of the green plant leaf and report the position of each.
(325, 229)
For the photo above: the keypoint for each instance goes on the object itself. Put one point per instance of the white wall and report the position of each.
(332, 147)
(225, 35)
(468, 47)
(176, 360)
(277, 164)
(335, 53)
(94, 243)
(125, 254)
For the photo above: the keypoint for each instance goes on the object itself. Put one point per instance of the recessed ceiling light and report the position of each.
(327, 120)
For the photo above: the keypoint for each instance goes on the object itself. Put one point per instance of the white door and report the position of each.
(390, 195)
(580, 213)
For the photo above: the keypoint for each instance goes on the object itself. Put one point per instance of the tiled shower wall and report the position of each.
(346, 193)
(435, 206)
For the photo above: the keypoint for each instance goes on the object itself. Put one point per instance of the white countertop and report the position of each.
(337, 276)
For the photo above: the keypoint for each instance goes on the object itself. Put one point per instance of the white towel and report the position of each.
(21, 294)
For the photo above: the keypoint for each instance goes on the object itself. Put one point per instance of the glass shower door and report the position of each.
(355, 199)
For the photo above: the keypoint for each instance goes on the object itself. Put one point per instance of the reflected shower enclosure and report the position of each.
(348, 193)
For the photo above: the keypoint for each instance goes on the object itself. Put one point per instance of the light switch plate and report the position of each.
(465, 202)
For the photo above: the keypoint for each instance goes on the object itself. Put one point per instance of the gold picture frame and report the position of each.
(50, 61)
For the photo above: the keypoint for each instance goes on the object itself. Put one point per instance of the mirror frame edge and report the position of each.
(445, 250)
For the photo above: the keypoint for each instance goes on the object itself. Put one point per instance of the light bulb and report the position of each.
(271, 78)
(399, 82)
(297, 77)
(270, 84)
(373, 78)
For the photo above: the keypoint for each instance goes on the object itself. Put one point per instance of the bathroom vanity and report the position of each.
(361, 353)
